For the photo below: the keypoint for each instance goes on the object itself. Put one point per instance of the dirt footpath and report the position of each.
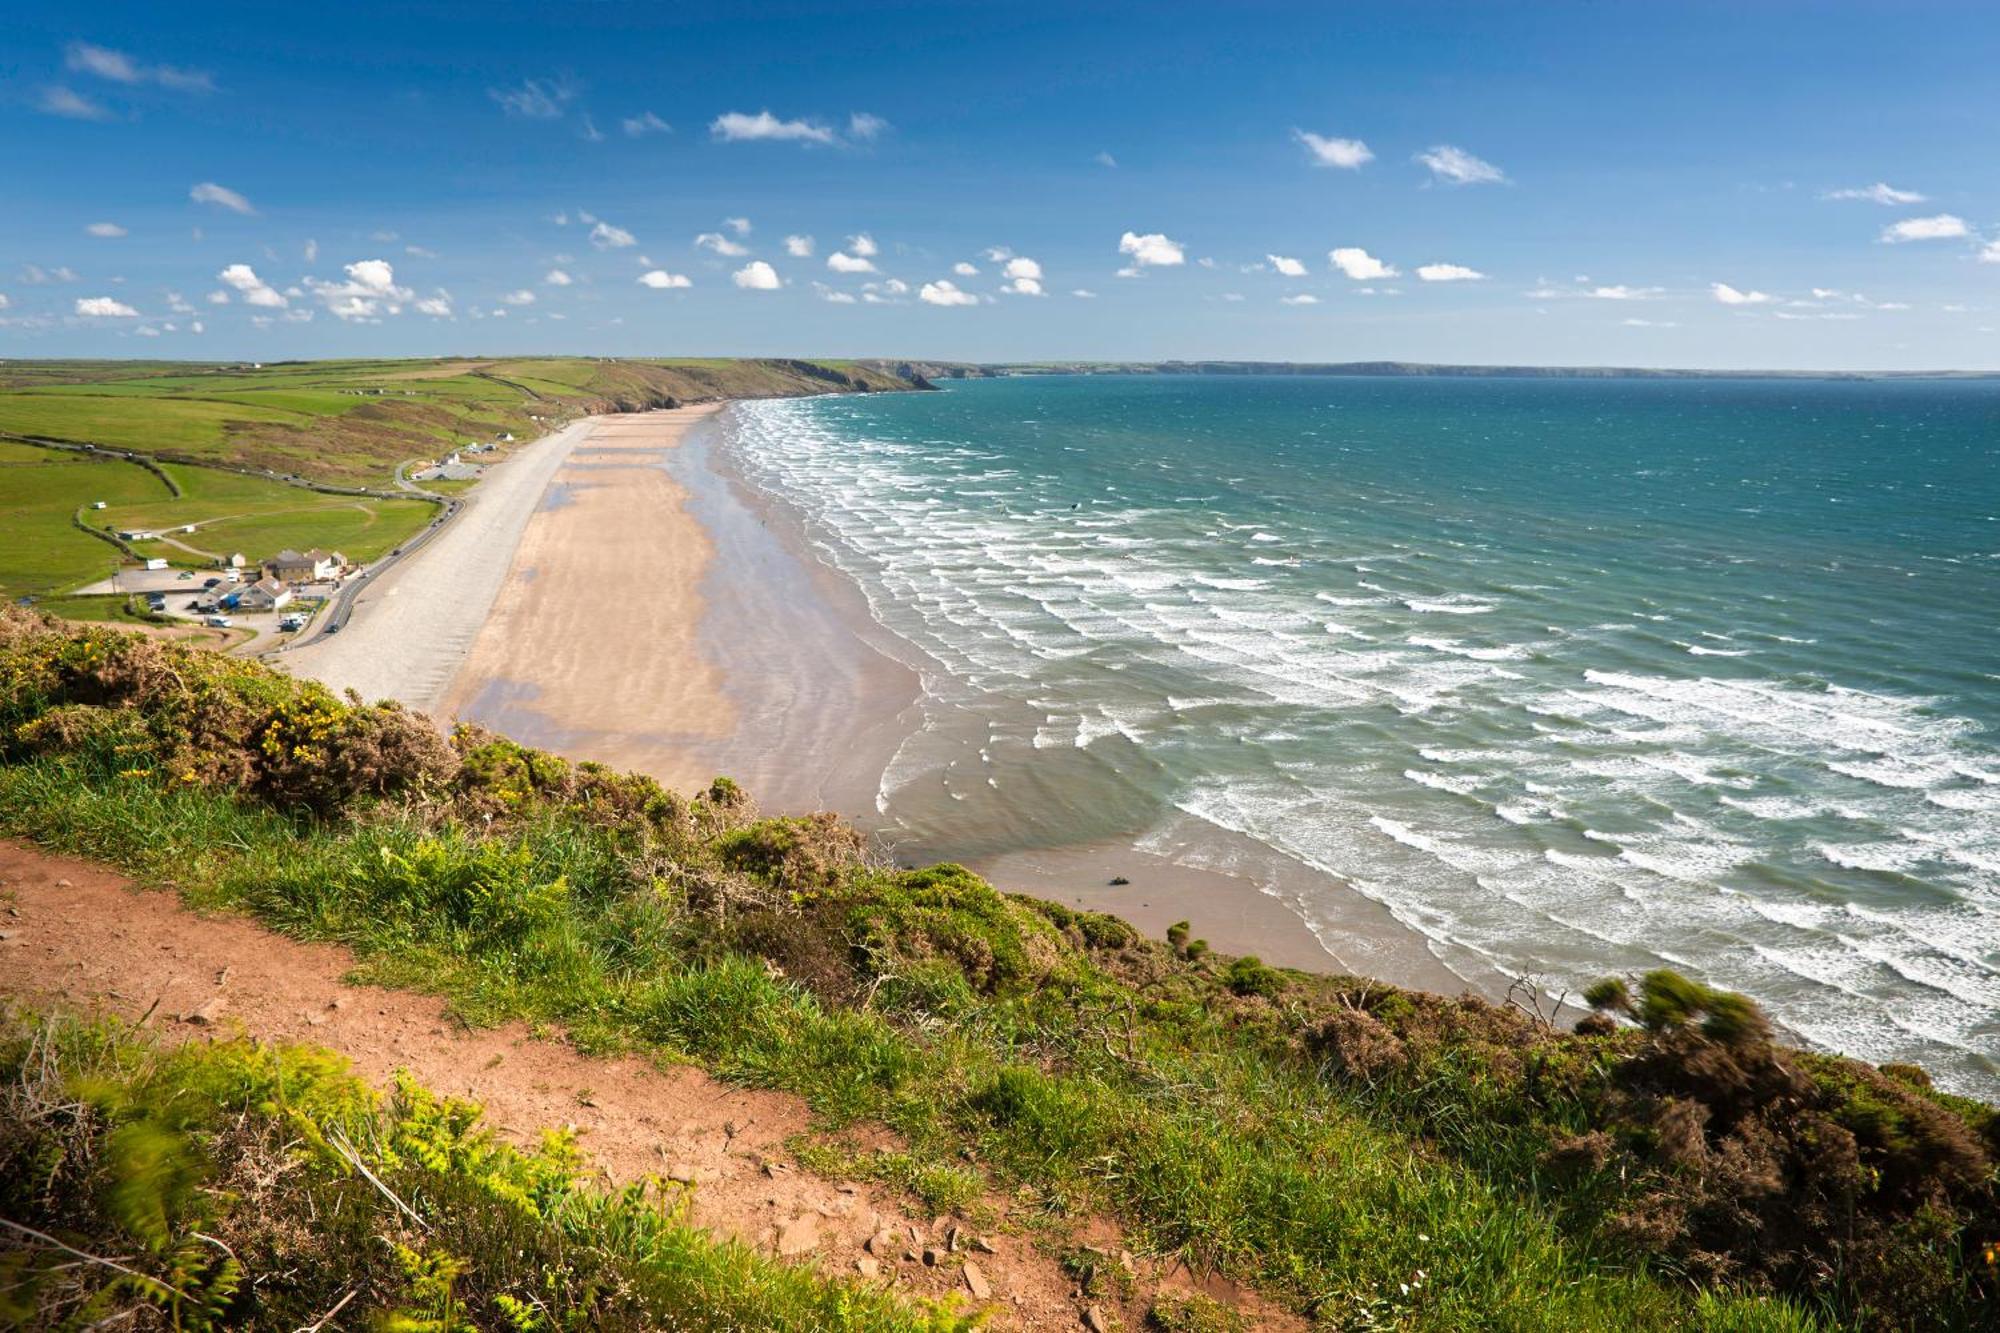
(79, 937)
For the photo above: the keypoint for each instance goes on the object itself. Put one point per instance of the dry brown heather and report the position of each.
(1367, 1155)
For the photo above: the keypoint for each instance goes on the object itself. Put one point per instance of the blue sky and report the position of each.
(1773, 184)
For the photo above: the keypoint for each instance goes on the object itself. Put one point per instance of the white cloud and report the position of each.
(35, 275)
(1025, 287)
(1084, 293)
(945, 292)
(1022, 267)
(1878, 193)
(862, 125)
(1990, 254)
(799, 247)
(4, 302)
(218, 297)
(1649, 323)
(109, 231)
(1232, 296)
(1286, 265)
(555, 277)
(370, 291)
(1620, 292)
(661, 280)
(1942, 227)
(722, 245)
(1448, 273)
(311, 251)
(1349, 153)
(997, 253)
(643, 124)
(1302, 298)
(965, 270)
(756, 276)
(208, 192)
(521, 297)
(104, 307)
(1455, 166)
(736, 127)
(1129, 271)
(833, 295)
(1731, 296)
(437, 307)
(69, 104)
(178, 304)
(254, 289)
(607, 237)
(1358, 264)
(846, 263)
(1105, 160)
(1152, 250)
(863, 244)
(741, 226)
(83, 58)
(420, 252)
(535, 99)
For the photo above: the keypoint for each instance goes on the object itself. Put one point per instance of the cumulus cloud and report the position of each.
(1105, 160)
(1649, 323)
(104, 63)
(104, 307)
(1351, 154)
(1302, 298)
(741, 226)
(254, 290)
(4, 302)
(521, 297)
(69, 104)
(833, 294)
(1942, 227)
(311, 251)
(1448, 273)
(965, 270)
(865, 126)
(555, 277)
(1358, 264)
(945, 292)
(661, 280)
(208, 192)
(1152, 250)
(1878, 193)
(1084, 294)
(1286, 265)
(722, 245)
(1728, 295)
(35, 275)
(1020, 266)
(1620, 292)
(607, 237)
(845, 263)
(535, 99)
(369, 292)
(106, 230)
(1990, 253)
(1455, 166)
(756, 276)
(863, 244)
(738, 127)
(799, 247)
(437, 307)
(643, 124)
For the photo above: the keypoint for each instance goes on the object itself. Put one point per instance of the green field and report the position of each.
(349, 423)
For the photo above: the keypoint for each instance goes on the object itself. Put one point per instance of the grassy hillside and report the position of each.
(1372, 1157)
(229, 435)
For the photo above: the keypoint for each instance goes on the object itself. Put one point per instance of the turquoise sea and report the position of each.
(1573, 676)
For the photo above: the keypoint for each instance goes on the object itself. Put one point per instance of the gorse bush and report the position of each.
(1373, 1157)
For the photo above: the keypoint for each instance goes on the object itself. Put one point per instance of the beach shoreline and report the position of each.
(643, 604)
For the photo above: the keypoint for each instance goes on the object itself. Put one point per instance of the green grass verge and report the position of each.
(233, 1185)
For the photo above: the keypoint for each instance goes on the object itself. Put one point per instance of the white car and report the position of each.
(217, 622)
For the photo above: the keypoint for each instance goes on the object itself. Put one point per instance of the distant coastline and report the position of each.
(949, 370)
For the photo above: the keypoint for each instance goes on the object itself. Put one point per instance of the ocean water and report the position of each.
(1574, 677)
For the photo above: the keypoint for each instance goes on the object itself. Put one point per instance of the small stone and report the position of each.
(1128, 1263)
(909, 1256)
(1119, 881)
(337, 1002)
(205, 1014)
(983, 1245)
(798, 1237)
(687, 1173)
(881, 1243)
(6, 934)
(868, 1267)
(64, 884)
(933, 1256)
(776, 1169)
(975, 1281)
(951, 1239)
(729, 1129)
(1095, 1320)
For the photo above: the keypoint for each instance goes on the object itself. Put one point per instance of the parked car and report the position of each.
(218, 622)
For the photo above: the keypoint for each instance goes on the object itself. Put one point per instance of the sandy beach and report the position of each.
(616, 592)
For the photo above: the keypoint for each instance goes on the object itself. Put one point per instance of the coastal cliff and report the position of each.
(1358, 1154)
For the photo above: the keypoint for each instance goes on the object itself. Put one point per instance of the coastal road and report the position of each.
(400, 630)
